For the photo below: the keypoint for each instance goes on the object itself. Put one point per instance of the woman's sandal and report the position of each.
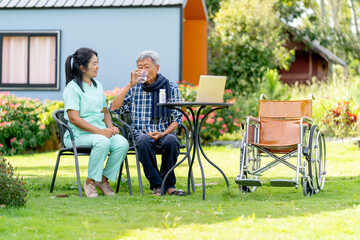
(156, 192)
(179, 192)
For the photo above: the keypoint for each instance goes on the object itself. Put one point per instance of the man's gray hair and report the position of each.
(149, 54)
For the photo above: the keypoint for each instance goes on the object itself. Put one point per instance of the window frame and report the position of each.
(28, 86)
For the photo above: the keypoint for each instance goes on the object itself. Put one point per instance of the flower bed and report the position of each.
(25, 123)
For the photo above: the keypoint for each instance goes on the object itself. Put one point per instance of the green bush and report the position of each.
(273, 88)
(25, 123)
(12, 188)
(329, 97)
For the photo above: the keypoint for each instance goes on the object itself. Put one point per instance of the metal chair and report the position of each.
(125, 120)
(83, 150)
(283, 130)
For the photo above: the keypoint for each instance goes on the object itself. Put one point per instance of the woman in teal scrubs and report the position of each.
(90, 121)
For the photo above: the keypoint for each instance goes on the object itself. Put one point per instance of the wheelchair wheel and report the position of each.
(307, 189)
(321, 161)
(253, 163)
(315, 154)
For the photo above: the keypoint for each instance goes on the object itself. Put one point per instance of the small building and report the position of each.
(311, 60)
(36, 36)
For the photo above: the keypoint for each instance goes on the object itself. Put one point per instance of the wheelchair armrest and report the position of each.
(253, 119)
(247, 126)
(304, 127)
(306, 119)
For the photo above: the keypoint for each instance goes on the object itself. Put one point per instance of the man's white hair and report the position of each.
(149, 54)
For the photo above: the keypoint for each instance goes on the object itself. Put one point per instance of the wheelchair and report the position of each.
(284, 132)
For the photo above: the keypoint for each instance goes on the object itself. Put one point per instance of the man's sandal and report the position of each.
(179, 192)
(156, 192)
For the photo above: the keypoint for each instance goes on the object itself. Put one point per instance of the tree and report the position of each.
(247, 40)
(333, 22)
(212, 7)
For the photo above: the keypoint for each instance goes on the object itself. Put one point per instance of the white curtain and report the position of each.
(14, 60)
(42, 60)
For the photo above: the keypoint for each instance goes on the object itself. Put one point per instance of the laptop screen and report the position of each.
(211, 89)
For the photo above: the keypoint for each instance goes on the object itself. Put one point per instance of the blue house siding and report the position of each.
(117, 34)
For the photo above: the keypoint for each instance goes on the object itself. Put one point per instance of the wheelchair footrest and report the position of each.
(248, 182)
(283, 183)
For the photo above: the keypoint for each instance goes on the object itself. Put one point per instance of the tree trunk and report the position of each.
(335, 7)
(353, 9)
(323, 9)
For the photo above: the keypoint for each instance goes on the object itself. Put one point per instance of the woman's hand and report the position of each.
(107, 132)
(116, 130)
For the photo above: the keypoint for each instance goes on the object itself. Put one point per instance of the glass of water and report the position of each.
(143, 76)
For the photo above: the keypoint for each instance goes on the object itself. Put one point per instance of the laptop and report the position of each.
(211, 89)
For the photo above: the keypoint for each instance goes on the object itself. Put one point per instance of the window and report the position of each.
(29, 60)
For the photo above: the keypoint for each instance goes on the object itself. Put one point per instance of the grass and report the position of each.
(268, 213)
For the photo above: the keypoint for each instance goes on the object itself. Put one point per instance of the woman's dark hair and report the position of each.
(82, 57)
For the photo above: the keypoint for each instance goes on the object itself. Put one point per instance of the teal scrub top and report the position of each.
(89, 103)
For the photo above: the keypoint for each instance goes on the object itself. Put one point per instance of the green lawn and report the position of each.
(268, 213)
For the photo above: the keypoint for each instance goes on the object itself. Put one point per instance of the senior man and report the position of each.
(153, 126)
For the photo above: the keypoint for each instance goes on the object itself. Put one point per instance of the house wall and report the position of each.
(321, 68)
(117, 34)
(195, 41)
(299, 69)
(195, 50)
(305, 67)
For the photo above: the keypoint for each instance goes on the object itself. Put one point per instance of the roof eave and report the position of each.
(324, 52)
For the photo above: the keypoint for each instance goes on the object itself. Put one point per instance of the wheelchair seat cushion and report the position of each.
(279, 135)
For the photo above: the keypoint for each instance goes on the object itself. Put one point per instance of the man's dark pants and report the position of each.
(147, 148)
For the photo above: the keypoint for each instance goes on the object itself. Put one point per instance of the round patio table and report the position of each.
(195, 130)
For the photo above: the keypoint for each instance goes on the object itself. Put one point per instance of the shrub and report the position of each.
(12, 188)
(329, 97)
(25, 123)
(273, 88)
(342, 119)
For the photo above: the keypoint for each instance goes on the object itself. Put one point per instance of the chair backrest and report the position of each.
(280, 121)
(59, 118)
(126, 117)
(285, 109)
